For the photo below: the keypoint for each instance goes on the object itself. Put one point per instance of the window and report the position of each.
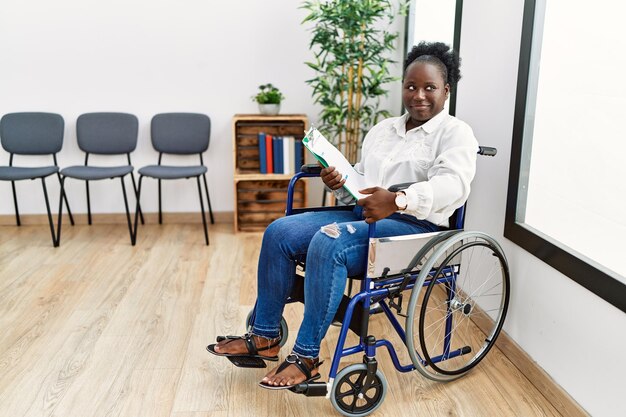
(567, 185)
(435, 21)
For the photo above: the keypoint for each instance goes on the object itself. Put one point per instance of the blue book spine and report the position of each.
(281, 147)
(262, 153)
(278, 154)
(297, 158)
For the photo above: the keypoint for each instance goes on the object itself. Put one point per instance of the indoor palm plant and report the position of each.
(352, 48)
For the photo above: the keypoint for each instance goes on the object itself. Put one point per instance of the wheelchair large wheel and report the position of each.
(458, 306)
(351, 398)
(283, 332)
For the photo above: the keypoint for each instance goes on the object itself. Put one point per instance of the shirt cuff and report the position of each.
(420, 200)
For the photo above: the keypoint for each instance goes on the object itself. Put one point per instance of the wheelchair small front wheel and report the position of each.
(283, 332)
(353, 395)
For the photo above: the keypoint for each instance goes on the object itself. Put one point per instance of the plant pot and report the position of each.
(269, 109)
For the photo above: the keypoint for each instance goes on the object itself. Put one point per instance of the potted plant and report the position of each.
(352, 48)
(269, 98)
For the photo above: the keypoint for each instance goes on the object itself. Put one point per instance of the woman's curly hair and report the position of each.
(439, 54)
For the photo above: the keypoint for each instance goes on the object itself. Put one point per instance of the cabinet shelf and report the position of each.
(261, 198)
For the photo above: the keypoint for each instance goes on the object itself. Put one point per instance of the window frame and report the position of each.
(596, 280)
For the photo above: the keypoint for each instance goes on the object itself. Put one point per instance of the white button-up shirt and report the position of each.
(438, 157)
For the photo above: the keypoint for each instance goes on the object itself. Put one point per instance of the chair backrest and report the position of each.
(107, 133)
(180, 133)
(32, 133)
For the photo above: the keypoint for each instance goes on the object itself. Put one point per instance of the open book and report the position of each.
(328, 155)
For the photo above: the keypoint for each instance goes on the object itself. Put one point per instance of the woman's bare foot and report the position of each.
(291, 375)
(238, 346)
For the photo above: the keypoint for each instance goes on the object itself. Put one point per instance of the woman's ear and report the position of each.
(447, 88)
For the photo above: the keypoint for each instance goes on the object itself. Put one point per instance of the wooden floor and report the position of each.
(100, 328)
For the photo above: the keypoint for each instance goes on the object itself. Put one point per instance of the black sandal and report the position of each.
(252, 359)
(294, 359)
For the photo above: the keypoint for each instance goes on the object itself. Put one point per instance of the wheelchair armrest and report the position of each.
(311, 168)
(397, 187)
(482, 150)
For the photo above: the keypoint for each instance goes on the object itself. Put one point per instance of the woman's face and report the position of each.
(424, 92)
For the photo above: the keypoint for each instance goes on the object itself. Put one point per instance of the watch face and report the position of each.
(401, 201)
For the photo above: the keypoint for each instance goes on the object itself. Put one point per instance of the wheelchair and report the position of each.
(457, 285)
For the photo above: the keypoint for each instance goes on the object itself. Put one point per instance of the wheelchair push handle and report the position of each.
(487, 151)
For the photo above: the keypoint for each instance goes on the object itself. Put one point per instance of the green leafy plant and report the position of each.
(352, 48)
(268, 94)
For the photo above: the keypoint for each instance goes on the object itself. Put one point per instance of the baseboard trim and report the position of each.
(540, 379)
(116, 218)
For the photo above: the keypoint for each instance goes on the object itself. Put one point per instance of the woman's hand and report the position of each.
(332, 178)
(381, 203)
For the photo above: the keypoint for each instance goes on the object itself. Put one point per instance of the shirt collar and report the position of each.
(428, 127)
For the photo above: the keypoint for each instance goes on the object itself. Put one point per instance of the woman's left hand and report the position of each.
(381, 203)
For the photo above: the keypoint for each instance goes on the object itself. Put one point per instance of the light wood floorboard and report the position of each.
(100, 328)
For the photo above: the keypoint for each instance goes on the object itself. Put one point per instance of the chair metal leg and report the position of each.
(60, 219)
(136, 226)
(67, 205)
(132, 176)
(17, 212)
(130, 227)
(206, 188)
(45, 194)
(206, 233)
(88, 203)
(160, 214)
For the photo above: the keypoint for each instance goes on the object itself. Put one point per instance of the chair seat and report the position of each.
(26, 173)
(82, 172)
(167, 172)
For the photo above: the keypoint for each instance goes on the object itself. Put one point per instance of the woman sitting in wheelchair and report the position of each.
(427, 147)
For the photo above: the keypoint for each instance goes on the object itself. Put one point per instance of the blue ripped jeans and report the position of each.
(329, 262)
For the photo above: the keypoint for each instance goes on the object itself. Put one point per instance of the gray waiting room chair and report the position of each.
(32, 133)
(103, 134)
(179, 134)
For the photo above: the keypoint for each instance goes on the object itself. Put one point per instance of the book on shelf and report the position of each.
(277, 142)
(297, 152)
(288, 154)
(329, 155)
(269, 154)
(262, 153)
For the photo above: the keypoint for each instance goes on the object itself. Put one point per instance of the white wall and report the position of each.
(145, 57)
(574, 335)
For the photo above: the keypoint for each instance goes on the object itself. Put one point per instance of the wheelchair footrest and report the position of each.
(247, 362)
(311, 389)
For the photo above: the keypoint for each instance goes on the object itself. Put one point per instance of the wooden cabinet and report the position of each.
(261, 198)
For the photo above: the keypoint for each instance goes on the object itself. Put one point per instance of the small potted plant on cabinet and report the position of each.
(269, 98)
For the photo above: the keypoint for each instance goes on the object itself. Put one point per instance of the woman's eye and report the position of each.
(431, 88)
(410, 88)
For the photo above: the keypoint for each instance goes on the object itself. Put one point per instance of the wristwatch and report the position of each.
(401, 200)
